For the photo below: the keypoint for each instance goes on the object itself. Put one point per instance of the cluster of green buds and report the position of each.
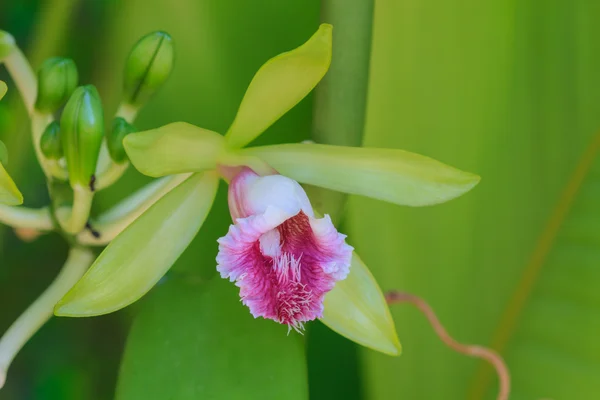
(78, 157)
(149, 230)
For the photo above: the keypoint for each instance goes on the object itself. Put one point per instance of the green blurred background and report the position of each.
(507, 89)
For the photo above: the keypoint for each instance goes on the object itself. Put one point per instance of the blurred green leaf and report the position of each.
(140, 255)
(279, 85)
(550, 325)
(356, 309)
(510, 90)
(173, 149)
(392, 175)
(197, 341)
(9, 193)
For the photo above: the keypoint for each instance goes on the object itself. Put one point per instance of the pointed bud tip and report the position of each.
(7, 44)
(81, 134)
(325, 30)
(57, 79)
(148, 66)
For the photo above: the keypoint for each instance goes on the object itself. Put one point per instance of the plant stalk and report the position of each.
(23, 217)
(107, 226)
(341, 97)
(41, 310)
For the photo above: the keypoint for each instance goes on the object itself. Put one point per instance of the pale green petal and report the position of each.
(356, 309)
(174, 148)
(392, 175)
(279, 85)
(3, 89)
(138, 257)
(9, 193)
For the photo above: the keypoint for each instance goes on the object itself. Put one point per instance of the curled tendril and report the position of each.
(395, 297)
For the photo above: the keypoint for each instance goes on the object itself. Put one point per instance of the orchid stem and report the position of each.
(394, 297)
(341, 97)
(108, 225)
(41, 310)
(73, 220)
(23, 217)
(21, 72)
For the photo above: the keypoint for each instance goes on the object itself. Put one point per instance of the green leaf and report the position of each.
(140, 255)
(498, 94)
(197, 341)
(174, 148)
(9, 193)
(279, 85)
(356, 309)
(550, 324)
(392, 175)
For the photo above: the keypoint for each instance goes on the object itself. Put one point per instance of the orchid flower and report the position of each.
(291, 265)
(283, 258)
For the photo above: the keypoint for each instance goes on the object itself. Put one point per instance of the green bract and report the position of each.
(50, 143)
(279, 85)
(57, 79)
(82, 131)
(148, 66)
(174, 148)
(356, 309)
(392, 175)
(7, 44)
(136, 259)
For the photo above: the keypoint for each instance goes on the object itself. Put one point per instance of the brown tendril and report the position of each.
(395, 297)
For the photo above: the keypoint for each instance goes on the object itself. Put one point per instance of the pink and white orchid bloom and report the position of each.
(283, 259)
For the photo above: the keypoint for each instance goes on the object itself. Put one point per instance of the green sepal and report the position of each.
(174, 148)
(7, 44)
(50, 142)
(114, 139)
(82, 132)
(140, 255)
(392, 175)
(279, 85)
(57, 79)
(148, 66)
(356, 308)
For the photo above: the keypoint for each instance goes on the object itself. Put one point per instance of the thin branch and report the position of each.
(394, 297)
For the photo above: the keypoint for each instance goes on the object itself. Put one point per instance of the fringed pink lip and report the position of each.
(283, 259)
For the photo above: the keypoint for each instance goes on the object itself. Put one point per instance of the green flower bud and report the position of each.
(82, 131)
(148, 66)
(7, 44)
(57, 79)
(3, 153)
(114, 140)
(50, 142)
